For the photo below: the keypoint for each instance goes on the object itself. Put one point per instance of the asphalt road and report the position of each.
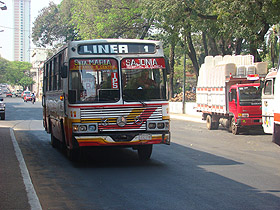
(201, 169)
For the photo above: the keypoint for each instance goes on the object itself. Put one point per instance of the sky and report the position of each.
(6, 24)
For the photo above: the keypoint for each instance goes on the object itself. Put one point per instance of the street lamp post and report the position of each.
(3, 6)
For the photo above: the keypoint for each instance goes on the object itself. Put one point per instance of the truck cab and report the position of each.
(245, 106)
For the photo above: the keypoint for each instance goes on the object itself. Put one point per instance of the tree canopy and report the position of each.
(15, 73)
(195, 27)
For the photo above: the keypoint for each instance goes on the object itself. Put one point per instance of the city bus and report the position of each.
(107, 93)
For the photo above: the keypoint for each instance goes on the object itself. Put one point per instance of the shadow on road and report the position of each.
(173, 179)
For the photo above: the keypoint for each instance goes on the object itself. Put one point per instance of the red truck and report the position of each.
(229, 93)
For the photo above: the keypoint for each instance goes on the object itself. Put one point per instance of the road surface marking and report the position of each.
(31, 193)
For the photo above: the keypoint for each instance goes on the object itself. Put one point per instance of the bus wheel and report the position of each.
(73, 154)
(234, 128)
(145, 152)
(54, 141)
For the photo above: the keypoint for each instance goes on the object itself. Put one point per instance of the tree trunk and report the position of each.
(192, 54)
(254, 52)
(171, 64)
(213, 46)
(238, 46)
(204, 40)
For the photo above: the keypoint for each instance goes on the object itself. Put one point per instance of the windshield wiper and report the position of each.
(136, 99)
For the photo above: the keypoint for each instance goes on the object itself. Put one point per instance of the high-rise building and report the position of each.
(22, 25)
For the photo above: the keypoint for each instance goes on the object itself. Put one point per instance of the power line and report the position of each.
(14, 28)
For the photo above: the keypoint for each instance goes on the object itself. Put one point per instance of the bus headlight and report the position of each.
(157, 125)
(85, 128)
(92, 128)
(160, 125)
(151, 125)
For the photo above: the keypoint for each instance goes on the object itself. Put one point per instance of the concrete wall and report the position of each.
(176, 108)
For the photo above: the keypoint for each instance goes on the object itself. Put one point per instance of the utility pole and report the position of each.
(184, 78)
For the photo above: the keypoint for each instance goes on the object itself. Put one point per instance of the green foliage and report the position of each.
(26, 82)
(3, 69)
(54, 25)
(195, 27)
(107, 18)
(13, 71)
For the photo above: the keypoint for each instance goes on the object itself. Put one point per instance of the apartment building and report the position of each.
(22, 32)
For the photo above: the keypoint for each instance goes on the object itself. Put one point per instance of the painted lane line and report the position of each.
(31, 193)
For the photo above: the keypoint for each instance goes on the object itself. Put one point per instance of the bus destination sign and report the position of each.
(123, 48)
(143, 63)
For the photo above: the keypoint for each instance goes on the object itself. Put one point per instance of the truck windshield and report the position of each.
(250, 96)
(143, 84)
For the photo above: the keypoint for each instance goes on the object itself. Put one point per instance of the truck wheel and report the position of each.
(145, 152)
(234, 128)
(210, 124)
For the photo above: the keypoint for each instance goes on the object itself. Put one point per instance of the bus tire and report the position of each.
(54, 141)
(73, 154)
(145, 152)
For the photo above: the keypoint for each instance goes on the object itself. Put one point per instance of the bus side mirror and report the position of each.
(64, 71)
(167, 66)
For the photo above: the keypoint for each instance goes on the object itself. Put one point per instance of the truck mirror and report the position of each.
(63, 71)
(230, 96)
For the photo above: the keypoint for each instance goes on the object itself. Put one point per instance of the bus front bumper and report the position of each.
(106, 140)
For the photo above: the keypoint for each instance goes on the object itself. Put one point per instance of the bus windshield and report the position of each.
(143, 79)
(147, 84)
(250, 96)
(94, 80)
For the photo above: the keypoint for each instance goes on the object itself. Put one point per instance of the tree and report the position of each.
(16, 71)
(108, 18)
(3, 69)
(54, 25)
(248, 20)
(26, 82)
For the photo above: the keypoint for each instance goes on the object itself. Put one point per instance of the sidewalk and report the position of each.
(187, 117)
(13, 193)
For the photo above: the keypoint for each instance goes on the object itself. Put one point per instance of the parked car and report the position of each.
(27, 97)
(9, 94)
(2, 109)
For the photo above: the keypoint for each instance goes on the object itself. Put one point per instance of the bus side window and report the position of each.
(59, 72)
(54, 74)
